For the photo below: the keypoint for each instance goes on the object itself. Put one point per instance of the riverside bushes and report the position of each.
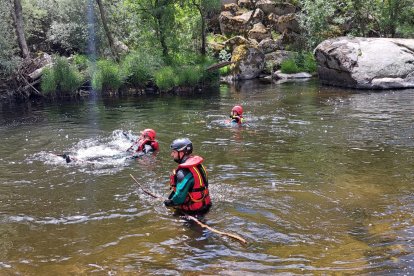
(301, 62)
(106, 76)
(61, 79)
(138, 69)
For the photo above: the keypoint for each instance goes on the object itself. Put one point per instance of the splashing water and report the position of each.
(100, 153)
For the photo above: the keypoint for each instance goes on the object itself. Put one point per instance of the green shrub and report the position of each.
(106, 76)
(48, 84)
(67, 77)
(300, 62)
(166, 78)
(224, 71)
(137, 69)
(61, 78)
(81, 61)
(310, 63)
(289, 66)
(188, 71)
(189, 76)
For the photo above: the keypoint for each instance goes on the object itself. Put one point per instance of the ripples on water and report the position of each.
(319, 181)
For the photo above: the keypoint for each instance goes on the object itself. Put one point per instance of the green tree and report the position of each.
(9, 59)
(159, 16)
(204, 7)
(394, 15)
(315, 20)
(108, 32)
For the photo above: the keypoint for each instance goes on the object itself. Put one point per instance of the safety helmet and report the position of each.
(149, 132)
(238, 109)
(182, 144)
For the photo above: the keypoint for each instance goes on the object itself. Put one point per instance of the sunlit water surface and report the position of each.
(319, 181)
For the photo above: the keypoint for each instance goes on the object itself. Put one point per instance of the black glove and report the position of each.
(168, 203)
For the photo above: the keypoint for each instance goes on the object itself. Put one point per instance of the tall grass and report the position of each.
(186, 70)
(106, 77)
(166, 78)
(137, 69)
(48, 83)
(62, 78)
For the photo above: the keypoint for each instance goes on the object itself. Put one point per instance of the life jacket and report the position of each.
(142, 142)
(198, 197)
(237, 119)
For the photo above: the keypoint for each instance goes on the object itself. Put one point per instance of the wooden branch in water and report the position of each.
(31, 85)
(214, 230)
(218, 65)
(191, 217)
(145, 190)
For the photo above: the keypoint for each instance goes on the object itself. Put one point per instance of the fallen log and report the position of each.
(218, 65)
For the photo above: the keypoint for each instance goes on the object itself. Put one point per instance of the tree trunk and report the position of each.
(158, 15)
(17, 16)
(203, 29)
(107, 31)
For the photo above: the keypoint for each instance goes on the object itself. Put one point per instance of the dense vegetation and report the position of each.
(119, 44)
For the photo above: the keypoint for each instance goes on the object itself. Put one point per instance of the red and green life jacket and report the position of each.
(198, 197)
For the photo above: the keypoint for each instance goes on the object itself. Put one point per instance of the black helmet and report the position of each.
(182, 144)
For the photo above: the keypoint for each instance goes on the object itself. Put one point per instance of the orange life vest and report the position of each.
(142, 142)
(198, 197)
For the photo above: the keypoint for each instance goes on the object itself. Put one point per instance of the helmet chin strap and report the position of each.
(181, 160)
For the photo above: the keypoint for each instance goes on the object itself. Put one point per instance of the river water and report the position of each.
(319, 181)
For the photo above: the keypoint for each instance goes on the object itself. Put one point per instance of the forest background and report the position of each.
(115, 46)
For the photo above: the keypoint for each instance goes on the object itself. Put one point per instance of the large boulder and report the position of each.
(230, 24)
(287, 23)
(269, 45)
(236, 41)
(259, 32)
(366, 63)
(267, 6)
(248, 62)
(282, 8)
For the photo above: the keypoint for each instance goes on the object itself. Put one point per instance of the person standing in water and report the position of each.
(189, 183)
(236, 115)
(146, 143)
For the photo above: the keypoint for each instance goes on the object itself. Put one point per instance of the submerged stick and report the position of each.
(191, 217)
(144, 190)
(214, 230)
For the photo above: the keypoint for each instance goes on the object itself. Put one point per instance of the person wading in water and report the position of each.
(236, 115)
(189, 183)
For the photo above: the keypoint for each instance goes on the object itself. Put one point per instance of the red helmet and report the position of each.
(149, 132)
(238, 109)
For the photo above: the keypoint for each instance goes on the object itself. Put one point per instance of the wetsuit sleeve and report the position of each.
(185, 181)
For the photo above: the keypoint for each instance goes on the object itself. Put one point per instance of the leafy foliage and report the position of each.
(137, 68)
(107, 77)
(48, 84)
(301, 62)
(61, 78)
(322, 19)
(9, 59)
(166, 78)
(315, 20)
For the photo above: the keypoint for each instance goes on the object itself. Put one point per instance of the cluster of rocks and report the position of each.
(255, 34)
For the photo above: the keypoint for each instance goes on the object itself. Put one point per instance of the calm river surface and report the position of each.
(319, 181)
